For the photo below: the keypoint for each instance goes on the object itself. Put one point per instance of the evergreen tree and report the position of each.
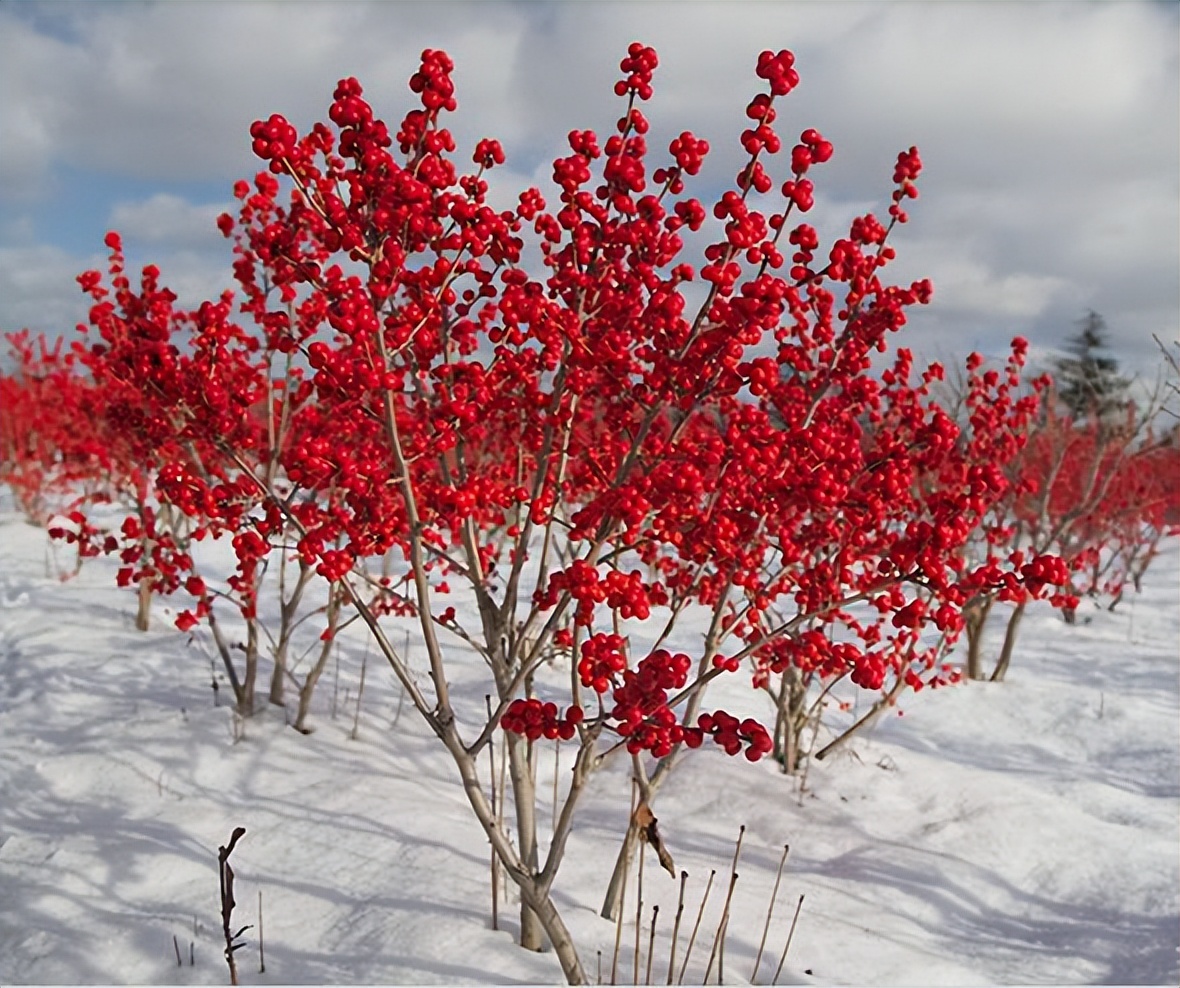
(1088, 381)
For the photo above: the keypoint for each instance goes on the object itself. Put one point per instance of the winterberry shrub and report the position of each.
(1088, 505)
(47, 454)
(575, 444)
(200, 411)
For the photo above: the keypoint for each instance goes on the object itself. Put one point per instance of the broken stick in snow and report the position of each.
(226, 874)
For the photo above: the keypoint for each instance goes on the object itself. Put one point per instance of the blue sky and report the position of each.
(1049, 133)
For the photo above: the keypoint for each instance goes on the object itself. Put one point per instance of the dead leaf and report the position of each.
(645, 823)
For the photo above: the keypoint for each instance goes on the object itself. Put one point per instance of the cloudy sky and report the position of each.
(1049, 133)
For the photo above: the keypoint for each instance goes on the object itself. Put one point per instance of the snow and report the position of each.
(1017, 833)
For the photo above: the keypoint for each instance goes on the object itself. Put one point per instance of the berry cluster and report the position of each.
(274, 139)
(909, 164)
(778, 70)
(812, 149)
(604, 658)
(1044, 571)
(734, 735)
(641, 703)
(433, 81)
(689, 152)
(869, 672)
(640, 65)
(536, 720)
(625, 593)
(488, 153)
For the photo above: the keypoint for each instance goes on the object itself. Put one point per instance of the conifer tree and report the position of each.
(1088, 381)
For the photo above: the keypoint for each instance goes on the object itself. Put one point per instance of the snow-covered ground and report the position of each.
(1020, 833)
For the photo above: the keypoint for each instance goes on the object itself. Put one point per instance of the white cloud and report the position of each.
(38, 291)
(971, 289)
(195, 276)
(32, 68)
(168, 91)
(168, 219)
(18, 229)
(1049, 131)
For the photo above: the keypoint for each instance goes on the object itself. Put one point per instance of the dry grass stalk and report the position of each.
(638, 915)
(769, 911)
(226, 876)
(787, 946)
(719, 936)
(676, 925)
(696, 926)
(651, 943)
(261, 948)
(495, 858)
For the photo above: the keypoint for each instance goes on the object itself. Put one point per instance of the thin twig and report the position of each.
(614, 963)
(737, 851)
(651, 943)
(335, 679)
(226, 875)
(696, 926)
(495, 858)
(503, 783)
(556, 775)
(638, 914)
(261, 948)
(787, 946)
(719, 936)
(401, 690)
(769, 912)
(360, 692)
(676, 925)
